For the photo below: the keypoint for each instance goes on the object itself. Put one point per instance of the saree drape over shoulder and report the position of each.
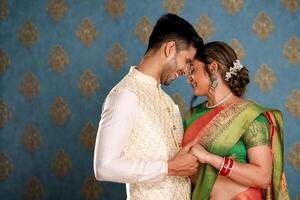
(230, 131)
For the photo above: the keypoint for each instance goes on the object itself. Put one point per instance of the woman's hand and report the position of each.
(200, 153)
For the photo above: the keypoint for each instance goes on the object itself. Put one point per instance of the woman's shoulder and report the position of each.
(255, 104)
(262, 109)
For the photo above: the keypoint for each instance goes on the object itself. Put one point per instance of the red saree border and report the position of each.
(195, 130)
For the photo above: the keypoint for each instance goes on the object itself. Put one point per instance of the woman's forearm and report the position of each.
(247, 174)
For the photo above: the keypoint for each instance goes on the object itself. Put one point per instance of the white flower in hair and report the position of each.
(227, 76)
(237, 66)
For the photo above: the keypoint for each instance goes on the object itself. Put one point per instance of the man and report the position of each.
(139, 136)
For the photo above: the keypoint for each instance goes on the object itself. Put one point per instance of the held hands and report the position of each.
(201, 153)
(184, 163)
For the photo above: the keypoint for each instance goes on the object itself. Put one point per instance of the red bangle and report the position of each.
(231, 168)
(226, 167)
(224, 163)
(230, 165)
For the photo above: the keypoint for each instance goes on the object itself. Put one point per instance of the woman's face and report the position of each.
(198, 78)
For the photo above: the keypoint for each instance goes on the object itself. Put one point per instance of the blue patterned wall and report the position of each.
(60, 58)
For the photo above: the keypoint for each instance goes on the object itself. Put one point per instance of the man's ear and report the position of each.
(213, 67)
(170, 48)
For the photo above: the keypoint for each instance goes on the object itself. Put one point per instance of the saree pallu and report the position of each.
(221, 128)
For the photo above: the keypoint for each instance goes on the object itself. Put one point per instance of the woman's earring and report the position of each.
(214, 82)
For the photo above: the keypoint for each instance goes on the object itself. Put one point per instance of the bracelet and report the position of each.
(222, 165)
(226, 167)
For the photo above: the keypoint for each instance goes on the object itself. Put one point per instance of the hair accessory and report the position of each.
(237, 66)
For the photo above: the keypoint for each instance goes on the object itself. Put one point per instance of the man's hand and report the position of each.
(183, 163)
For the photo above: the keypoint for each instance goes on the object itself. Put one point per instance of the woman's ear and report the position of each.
(170, 49)
(213, 67)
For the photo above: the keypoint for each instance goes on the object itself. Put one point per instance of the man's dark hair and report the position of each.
(170, 27)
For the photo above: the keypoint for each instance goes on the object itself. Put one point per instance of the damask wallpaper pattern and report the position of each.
(60, 58)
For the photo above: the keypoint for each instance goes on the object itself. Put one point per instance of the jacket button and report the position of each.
(174, 127)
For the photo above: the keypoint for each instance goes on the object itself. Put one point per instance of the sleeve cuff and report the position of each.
(165, 169)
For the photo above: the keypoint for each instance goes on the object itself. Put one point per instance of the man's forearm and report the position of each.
(125, 171)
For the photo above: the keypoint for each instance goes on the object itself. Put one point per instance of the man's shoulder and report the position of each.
(128, 87)
(120, 95)
(125, 83)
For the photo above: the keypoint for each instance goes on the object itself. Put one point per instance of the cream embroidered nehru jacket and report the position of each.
(139, 131)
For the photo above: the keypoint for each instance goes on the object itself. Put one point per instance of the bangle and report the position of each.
(230, 170)
(221, 168)
(226, 167)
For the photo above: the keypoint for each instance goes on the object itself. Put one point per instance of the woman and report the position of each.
(239, 143)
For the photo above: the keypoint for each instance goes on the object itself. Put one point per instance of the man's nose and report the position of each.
(181, 72)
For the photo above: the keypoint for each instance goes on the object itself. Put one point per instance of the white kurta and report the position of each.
(140, 129)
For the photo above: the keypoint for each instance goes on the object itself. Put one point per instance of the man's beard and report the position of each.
(168, 68)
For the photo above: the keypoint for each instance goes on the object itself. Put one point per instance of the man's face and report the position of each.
(178, 65)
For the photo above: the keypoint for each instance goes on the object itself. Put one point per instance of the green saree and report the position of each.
(221, 129)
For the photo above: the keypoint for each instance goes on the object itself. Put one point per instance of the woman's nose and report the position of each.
(190, 78)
